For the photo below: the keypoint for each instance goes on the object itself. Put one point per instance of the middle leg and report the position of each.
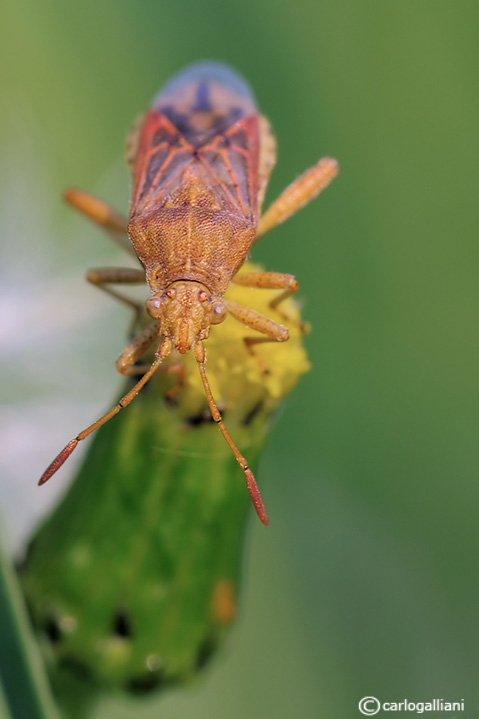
(106, 276)
(273, 281)
(256, 321)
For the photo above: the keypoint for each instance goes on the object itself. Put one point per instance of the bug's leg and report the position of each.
(250, 343)
(200, 357)
(105, 276)
(102, 214)
(273, 281)
(97, 210)
(177, 368)
(126, 362)
(256, 321)
(163, 352)
(298, 194)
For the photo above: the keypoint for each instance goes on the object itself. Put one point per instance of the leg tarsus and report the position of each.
(304, 327)
(256, 321)
(250, 342)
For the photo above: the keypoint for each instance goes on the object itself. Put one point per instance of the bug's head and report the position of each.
(186, 311)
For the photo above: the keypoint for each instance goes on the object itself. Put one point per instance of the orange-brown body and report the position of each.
(194, 208)
(201, 159)
(191, 239)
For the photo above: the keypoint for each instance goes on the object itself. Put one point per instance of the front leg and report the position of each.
(125, 363)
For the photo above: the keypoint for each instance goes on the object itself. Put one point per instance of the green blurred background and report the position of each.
(366, 581)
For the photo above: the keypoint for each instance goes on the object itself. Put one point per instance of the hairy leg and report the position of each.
(105, 276)
(102, 214)
(256, 321)
(304, 189)
(273, 281)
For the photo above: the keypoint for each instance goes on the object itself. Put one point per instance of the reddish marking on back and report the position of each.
(219, 149)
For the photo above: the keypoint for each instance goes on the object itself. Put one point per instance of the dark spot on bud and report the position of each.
(133, 379)
(75, 666)
(200, 418)
(203, 417)
(252, 414)
(52, 629)
(145, 683)
(206, 651)
(171, 401)
(121, 625)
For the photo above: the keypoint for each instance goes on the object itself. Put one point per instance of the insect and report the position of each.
(201, 159)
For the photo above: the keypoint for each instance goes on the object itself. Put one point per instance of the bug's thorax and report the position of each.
(191, 236)
(186, 311)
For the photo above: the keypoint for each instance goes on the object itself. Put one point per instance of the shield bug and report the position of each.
(201, 159)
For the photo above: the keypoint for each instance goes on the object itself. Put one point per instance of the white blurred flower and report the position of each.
(59, 339)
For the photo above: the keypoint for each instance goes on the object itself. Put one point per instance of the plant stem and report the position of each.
(24, 684)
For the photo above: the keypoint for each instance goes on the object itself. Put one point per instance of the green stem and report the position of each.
(134, 579)
(24, 684)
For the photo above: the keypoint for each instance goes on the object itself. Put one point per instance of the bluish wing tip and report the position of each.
(207, 70)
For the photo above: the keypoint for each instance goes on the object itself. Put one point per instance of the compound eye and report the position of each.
(153, 307)
(218, 312)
